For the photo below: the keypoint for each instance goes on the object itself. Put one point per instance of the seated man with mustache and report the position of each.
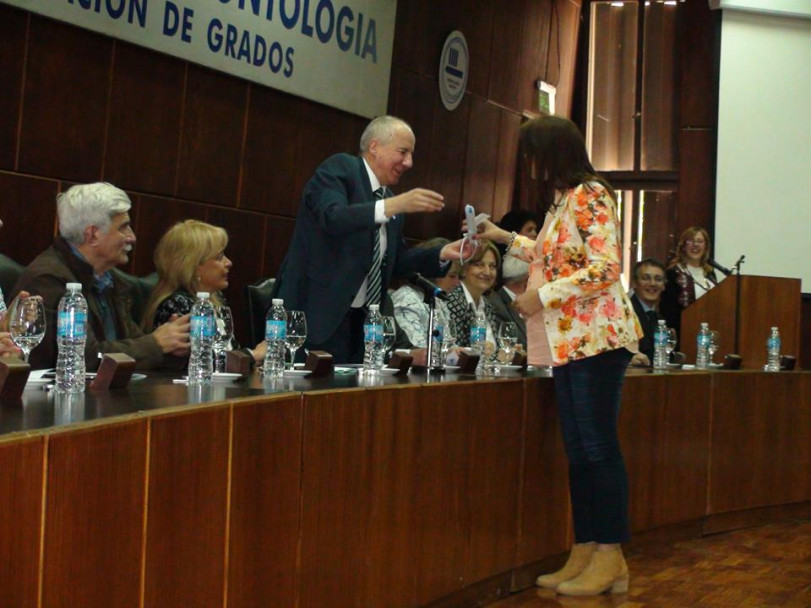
(95, 236)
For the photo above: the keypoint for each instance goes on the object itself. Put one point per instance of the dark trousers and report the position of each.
(346, 344)
(588, 393)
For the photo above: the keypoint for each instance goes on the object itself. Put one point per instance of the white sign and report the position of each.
(337, 52)
(453, 70)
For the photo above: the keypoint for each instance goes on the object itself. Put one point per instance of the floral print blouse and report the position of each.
(586, 309)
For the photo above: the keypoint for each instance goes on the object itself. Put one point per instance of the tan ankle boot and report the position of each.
(579, 558)
(607, 570)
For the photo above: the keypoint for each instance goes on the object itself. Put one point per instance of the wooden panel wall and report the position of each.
(186, 141)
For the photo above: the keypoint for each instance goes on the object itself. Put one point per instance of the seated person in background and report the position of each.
(95, 236)
(515, 274)
(410, 309)
(190, 258)
(478, 275)
(689, 276)
(648, 281)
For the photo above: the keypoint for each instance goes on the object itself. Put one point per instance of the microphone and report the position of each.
(718, 267)
(415, 278)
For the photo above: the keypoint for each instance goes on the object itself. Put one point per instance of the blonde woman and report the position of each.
(189, 258)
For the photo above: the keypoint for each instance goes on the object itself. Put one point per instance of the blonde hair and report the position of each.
(179, 253)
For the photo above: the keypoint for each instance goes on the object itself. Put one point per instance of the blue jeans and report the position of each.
(588, 393)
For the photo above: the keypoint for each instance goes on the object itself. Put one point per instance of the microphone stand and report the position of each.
(430, 299)
(736, 271)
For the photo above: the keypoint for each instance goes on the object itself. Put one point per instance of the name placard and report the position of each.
(336, 52)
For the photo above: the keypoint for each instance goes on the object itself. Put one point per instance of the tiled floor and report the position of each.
(762, 567)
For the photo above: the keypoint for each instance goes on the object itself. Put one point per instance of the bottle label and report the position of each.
(202, 326)
(275, 329)
(72, 324)
(774, 344)
(439, 333)
(703, 341)
(477, 334)
(373, 332)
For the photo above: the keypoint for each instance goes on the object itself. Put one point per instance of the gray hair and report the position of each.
(514, 269)
(382, 129)
(89, 205)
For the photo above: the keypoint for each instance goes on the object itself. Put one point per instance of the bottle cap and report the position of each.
(374, 306)
(278, 302)
(774, 329)
(202, 294)
(74, 286)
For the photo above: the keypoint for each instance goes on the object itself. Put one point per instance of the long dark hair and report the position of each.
(554, 150)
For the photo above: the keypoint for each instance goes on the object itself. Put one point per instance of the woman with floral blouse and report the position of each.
(588, 321)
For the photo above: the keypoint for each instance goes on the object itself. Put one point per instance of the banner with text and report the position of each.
(336, 52)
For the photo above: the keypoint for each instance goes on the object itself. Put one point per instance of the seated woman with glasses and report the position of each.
(190, 258)
(479, 275)
(648, 281)
(410, 310)
(689, 275)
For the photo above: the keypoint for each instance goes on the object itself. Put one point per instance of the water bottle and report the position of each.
(437, 341)
(660, 346)
(703, 347)
(478, 338)
(275, 334)
(71, 336)
(373, 339)
(202, 333)
(773, 345)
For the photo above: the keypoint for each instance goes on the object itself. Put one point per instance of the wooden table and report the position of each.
(346, 492)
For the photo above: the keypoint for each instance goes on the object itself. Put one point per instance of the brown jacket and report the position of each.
(47, 276)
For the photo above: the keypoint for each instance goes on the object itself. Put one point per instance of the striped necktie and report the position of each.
(374, 279)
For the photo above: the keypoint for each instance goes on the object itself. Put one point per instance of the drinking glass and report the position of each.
(670, 346)
(222, 337)
(507, 339)
(26, 323)
(389, 334)
(448, 340)
(296, 333)
(715, 343)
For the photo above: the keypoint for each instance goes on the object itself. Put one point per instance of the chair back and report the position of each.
(258, 298)
(10, 272)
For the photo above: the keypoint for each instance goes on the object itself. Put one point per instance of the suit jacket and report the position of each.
(331, 250)
(648, 323)
(503, 310)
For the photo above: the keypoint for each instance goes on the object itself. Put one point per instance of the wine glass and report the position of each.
(670, 346)
(222, 337)
(389, 334)
(26, 323)
(715, 343)
(507, 339)
(296, 333)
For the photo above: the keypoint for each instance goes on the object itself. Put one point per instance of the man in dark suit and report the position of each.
(348, 241)
(648, 281)
(514, 273)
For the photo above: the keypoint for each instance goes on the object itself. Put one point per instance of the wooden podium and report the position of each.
(743, 309)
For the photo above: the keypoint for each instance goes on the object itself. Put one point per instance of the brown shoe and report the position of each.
(579, 558)
(606, 571)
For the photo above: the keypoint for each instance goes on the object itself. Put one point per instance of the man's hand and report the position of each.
(528, 303)
(4, 315)
(451, 250)
(7, 346)
(173, 336)
(640, 360)
(418, 200)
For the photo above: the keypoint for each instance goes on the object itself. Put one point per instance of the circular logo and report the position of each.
(453, 70)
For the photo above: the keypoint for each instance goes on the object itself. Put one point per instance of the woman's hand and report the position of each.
(458, 250)
(488, 230)
(528, 303)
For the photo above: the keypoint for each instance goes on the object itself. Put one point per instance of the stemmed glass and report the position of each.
(26, 323)
(715, 343)
(389, 334)
(507, 339)
(222, 337)
(296, 333)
